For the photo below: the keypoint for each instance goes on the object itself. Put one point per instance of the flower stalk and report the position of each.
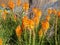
(33, 37)
(56, 42)
(30, 38)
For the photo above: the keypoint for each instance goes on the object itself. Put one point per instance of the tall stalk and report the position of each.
(33, 37)
(56, 42)
(19, 39)
(42, 39)
(30, 38)
(25, 37)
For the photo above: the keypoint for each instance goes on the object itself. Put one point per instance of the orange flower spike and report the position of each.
(34, 10)
(1, 42)
(15, 18)
(31, 25)
(48, 17)
(18, 2)
(18, 31)
(4, 15)
(40, 33)
(58, 13)
(55, 11)
(36, 20)
(38, 13)
(3, 5)
(25, 6)
(45, 25)
(11, 4)
(6, 12)
(25, 21)
(50, 11)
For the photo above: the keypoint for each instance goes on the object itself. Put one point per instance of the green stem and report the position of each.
(30, 38)
(19, 38)
(56, 43)
(42, 39)
(33, 37)
(25, 37)
(39, 41)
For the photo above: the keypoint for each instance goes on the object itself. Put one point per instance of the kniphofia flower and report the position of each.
(37, 12)
(45, 25)
(54, 11)
(25, 22)
(58, 13)
(15, 18)
(5, 11)
(41, 32)
(3, 5)
(1, 11)
(25, 6)
(34, 10)
(50, 11)
(48, 17)
(11, 4)
(36, 21)
(18, 31)
(18, 2)
(30, 24)
(1, 41)
(4, 15)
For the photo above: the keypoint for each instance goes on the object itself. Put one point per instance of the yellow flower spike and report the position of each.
(11, 4)
(48, 17)
(6, 12)
(18, 31)
(18, 2)
(25, 6)
(45, 25)
(1, 42)
(58, 13)
(41, 33)
(1, 10)
(3, 5)
(50, 11)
